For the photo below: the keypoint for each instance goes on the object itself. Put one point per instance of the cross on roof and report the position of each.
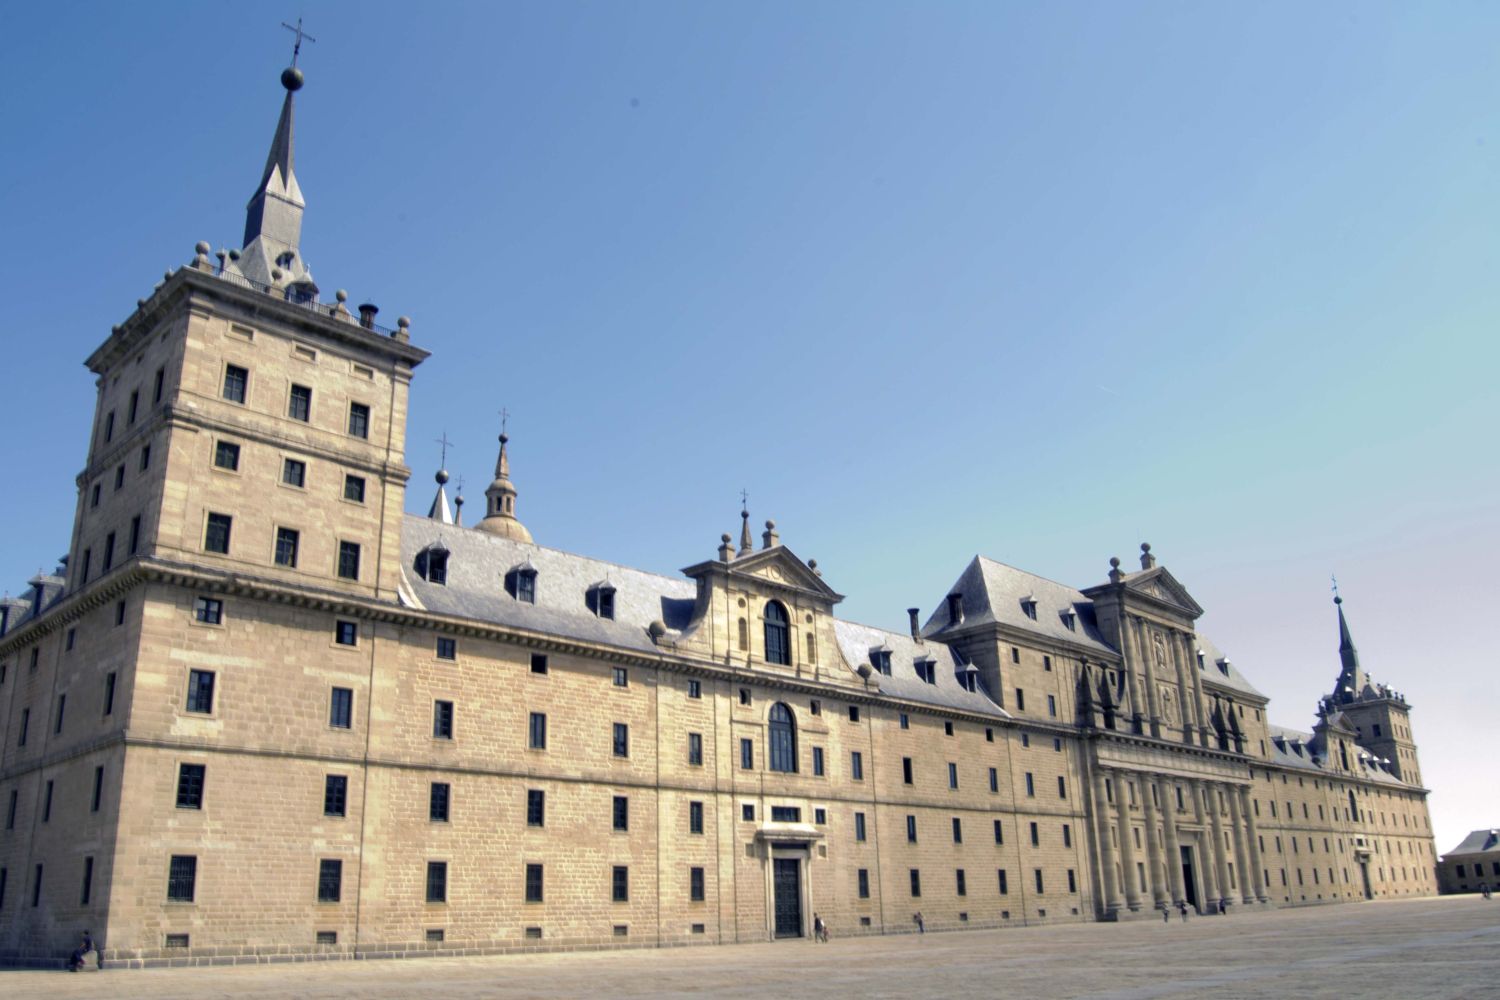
(744, 499)
(297, 48)
(445, 443)
(1335, 586)
(504, 418)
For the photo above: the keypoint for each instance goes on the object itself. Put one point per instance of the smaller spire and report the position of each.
(458, 504)
(500, 497)
(439, 511)
(745, 543)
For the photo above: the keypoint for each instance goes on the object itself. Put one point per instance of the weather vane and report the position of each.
(301, 35)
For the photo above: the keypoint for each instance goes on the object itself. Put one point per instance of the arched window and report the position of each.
(783, 739)
(778, 648)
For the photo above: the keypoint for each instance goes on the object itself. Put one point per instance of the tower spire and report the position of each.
(273, 216)
(746, 545)
(440, 511)
(1352, 679)
(500, 497)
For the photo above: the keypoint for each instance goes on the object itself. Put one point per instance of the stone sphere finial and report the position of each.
(725, 538)
(275, 274)
(1145, 546)
(1114, 562)
(770, 525)
(403, 322)
(341, 295)
(202, 248)
(442, 476)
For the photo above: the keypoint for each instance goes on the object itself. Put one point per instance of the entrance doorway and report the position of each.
(787, 885)
(1189, 884)
(1364, 875)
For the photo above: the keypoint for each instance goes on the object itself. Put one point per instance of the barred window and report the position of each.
(330, 880)
(182, 878)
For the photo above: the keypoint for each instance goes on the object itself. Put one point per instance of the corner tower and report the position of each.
(1381, 717)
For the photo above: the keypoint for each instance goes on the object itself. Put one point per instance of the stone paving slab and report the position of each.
(1446, 948)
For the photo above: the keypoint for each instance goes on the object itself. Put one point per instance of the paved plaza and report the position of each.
(1430, 948)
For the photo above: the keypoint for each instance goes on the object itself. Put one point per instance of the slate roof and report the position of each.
(479, 561)
(993, 592)
(1226, 676)
(1478, 842)
(856, 641)
(1282, 752)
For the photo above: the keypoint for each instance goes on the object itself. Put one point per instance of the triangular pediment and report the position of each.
(1159, 585)
(779, 566)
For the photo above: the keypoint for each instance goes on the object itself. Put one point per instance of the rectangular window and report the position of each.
(695, 817)
(747, 812)
(182, 878)
(1020, 700)
(98, 796)
(859, 827)
(335, 794)
(359, 420)
(346, 633)
(1030, 785)
(906, 776)
(294, 472)
(200, 693)
(817, 754)
(747, 755)
(437, 801)
(120, 613)
(537, 731)
(695, 884)
(25, 726)
(62, 705)
(10, 812)
(83, 572)
(109, 427)
(961, 883)
(786, 814)
(135, 405)
(621, 677)
(999, 832)
(994, 779)
(958, 830)
(109, 552)
(235, 379)
(442, 720)
(695, 749)
(911, 829)
(853, 713)
(952, 775)
(695, 689)
(1052, 705)
(330, 880)
(905, 721)
(856, 765)
(621, 813)
(216, 534)
(1038, 873)
(88, 880)
(536, 807)
(208, 610)
(864, 883)
(947, 729)
(745, 696)
(299, 403)
(533, 883)
(447, 649)
(1067, 835)
(1062, 787)
(287, 540)
(157, 385)
(1036, 837)
(622, 740)
(341, 708)
(539, 663)
(1004, 882)
(1072, 881)
(916, 883)
(36, 888)
(135, 535)
(349, 560)
(227, 456)
(190, 785)
(437, 881)
(47, 802)
(354, 488)
(620, 884)
(145, 457)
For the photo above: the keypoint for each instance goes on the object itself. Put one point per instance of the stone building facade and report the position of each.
(1472, 866)
(259, 711)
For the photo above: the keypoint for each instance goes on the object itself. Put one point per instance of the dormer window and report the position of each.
(968, 677)
(1028, 606)
(955, 608)
(926, 670)
(432, 564)
(1070, 621)
(601, 600)
(1223, 666)
(880, 658)
(1200, 659)
(520, 583)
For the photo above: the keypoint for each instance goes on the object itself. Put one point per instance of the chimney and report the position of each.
(367, 315)
(1148, 561)
(916, 630)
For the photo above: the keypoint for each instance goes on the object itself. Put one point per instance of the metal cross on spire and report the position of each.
(504, 418)
(443, 464)
(1335, 587)
(301, 36)
(744, 499)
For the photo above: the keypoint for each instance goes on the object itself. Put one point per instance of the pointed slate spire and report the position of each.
(746, 545)
(500, 501)
(1352, 679)
(273, 216)
(440, 511)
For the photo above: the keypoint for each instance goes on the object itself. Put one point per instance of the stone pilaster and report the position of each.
(1185, 696)
(1102, 824)
(1173, 846)
(1191, 652)
(1248, 876)
(1216, 827)
(1156, 873)
(1254, 834)
(1127, 842)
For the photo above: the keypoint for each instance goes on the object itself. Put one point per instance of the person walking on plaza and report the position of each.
(921, 927)
(820, 930)
(1182, 908)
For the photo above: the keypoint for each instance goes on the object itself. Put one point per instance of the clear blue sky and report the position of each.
(1040, 281)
